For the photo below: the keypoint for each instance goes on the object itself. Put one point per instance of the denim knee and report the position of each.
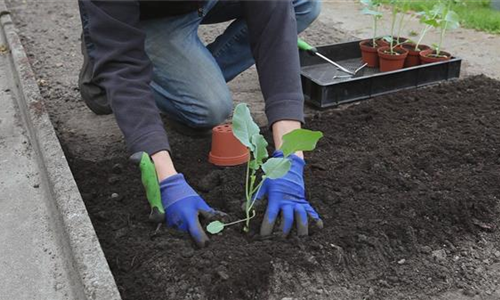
(215, 110)
(306, 12)
(207, 106)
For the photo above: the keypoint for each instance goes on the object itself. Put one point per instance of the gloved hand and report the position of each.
(183, 206)
(287, 194)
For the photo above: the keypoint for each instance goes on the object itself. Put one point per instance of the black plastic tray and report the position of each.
(322, 90)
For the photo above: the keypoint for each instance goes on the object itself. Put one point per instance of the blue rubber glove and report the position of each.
(183, 206)
(287, 195)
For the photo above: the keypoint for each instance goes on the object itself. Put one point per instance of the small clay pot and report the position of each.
(428, 56)
(369, 53)
(227, 150)
(391, 62)
(413, 58)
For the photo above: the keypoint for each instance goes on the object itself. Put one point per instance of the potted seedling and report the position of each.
(427, 17)
(369, 47)
(260, 167)
(446, 19)
(392, 57)
(401, 7)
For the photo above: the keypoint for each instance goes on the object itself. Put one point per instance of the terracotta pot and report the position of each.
(227, 150)
(369, 53)
(413, 58)
(426, 59)
(391, 62)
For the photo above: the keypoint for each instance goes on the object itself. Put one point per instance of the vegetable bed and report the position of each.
(407, 185)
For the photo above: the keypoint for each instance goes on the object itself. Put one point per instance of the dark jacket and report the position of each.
(123, 69)
(167, 8)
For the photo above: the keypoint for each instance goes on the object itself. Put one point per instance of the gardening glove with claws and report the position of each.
(183, 206)
(287, 195)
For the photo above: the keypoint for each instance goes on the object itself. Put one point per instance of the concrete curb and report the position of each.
(91, 277)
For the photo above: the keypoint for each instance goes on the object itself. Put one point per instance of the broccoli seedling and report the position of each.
(248, 133)
(372, 8)
(440, 17)
(445, 19)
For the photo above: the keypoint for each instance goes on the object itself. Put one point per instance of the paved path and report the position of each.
(32, 263)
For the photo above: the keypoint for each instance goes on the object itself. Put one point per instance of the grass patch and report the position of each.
(476, 14)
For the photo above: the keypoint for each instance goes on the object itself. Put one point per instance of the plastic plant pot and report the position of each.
(227, 150)
(428, 56)
(391, 62)
(413, 58)
(369, 53)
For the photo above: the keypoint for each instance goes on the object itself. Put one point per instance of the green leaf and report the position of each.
(215, 227)
(300, 140)
(452, 19)
(388, 38)
(260, 150)
(254, 165)
(452, 16)
(367, 2)
(243, 125)
(438, 9)
(431, 22)
(276, 167)
(367, 11)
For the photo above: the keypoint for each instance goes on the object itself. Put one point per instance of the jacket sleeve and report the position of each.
(123, 69)
(273, 39)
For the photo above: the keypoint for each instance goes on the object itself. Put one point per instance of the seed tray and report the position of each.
(326, 86)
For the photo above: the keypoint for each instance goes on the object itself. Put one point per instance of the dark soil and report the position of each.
(442, 55)
(407, 186)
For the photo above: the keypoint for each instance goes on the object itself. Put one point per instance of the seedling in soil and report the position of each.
(428, 18)
(444, 19)
(396, 8)
(248, 133)
(372, 8)
(403, 9)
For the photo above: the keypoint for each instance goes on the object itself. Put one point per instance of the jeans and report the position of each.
(189, 78)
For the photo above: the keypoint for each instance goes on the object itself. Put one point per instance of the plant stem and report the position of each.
(443, 29)
(248, 201)
(246, 179)
(257, 190)
(239, 221)
(374, 31)
(247, 189)
(441, 37)
(393, 24)
(375, 27)
(400, 27)
(422, 34)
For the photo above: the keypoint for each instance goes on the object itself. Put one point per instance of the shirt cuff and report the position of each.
(287, 107)
(150, 143)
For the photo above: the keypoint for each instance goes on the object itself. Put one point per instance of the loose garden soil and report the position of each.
(407, 185)
(365, 251)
